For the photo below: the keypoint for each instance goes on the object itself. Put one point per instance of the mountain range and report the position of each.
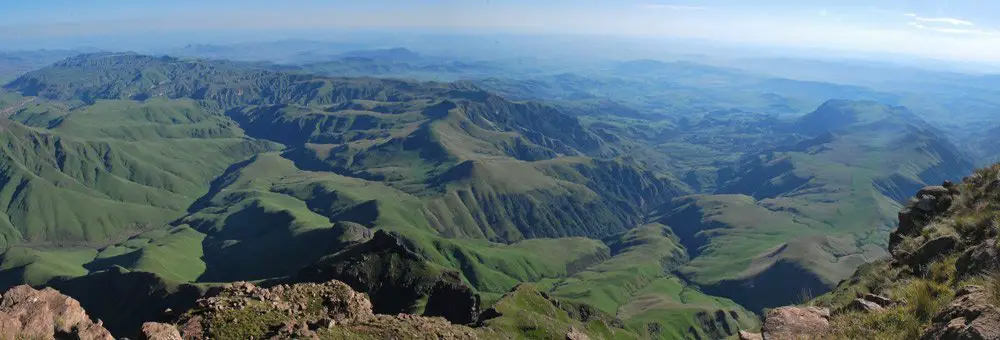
(180, 174)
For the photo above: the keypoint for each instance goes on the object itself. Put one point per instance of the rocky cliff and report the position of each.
(26, 313)
(941, 281)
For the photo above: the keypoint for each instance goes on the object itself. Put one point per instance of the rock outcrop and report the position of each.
(397, 279)
(309, 310)
(870, 303)
(930, 202)
(943, 252)
(969, 316)
(930, 250)
(978, 259)
(453, 300)
(575, 334)
(792, 323)
(159, 331)
(125, 300)
(27, 313)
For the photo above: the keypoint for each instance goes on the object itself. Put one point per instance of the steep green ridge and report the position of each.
(413, 136)
(105, 172)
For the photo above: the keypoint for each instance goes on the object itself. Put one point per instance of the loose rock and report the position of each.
(159, 331)
(794, 323)
(744, 335)
(575, 334)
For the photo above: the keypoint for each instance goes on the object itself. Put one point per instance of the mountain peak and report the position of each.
(840, 114)
(390, 54)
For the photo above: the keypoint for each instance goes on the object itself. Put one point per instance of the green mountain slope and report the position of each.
(637, 286)
(500, 192)
(104, 172)
(813, 210)
(213, 171)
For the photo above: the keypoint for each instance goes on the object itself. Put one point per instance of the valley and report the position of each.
(665, 199)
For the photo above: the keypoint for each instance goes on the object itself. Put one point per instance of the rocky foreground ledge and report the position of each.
(27, 313)
(330, 310)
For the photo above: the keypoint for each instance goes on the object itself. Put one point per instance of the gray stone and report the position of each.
(930, 250)
(796, 323)
(864, 306)
(969, 316)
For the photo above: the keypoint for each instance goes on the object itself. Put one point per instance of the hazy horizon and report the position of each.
(956, 31)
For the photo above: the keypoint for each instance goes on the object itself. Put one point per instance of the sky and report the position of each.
(967, 30)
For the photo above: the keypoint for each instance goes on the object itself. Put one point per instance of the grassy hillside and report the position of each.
(815, 209)
(469, 180)
(213, 171)
(936, 290)
(105, 172)
(637, 285)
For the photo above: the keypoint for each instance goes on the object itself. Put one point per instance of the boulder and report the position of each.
(930, 250)
(911, 223)
(159, 331)
(796, 323)
(864, 306)
(576, 334)
(744, 335)
(934, 199)
(27, 313)
(978, 259)
(934, 191)
(968, 316)
(930, 202)
(878, 299)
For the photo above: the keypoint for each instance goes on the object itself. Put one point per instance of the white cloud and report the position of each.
(953, 21)
(948, 25)
(675, 7)
(940, 20)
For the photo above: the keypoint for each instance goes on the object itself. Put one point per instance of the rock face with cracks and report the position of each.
(969, 316)
(28, 313)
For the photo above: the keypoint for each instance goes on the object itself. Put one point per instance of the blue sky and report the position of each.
(966, 30)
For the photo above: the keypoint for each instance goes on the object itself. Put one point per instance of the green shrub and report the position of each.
(252, 321)
(942, 271)
(919, 300)
(992, 286)
(895, 323)
(924, 298)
